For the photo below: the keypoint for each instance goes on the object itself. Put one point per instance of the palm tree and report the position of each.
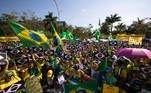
(112, 19)
(139, 26)
(50, 19)
(105, 28)
(120, 28)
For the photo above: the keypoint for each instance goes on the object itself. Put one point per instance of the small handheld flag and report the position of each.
(110, 37)
(117, 38)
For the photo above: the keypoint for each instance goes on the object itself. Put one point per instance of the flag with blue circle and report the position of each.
(56, 38)
(29, 38)
(70, 36)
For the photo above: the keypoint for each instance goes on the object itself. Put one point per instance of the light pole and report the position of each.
(58, 11)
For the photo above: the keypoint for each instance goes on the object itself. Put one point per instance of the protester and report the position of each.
(78, 62)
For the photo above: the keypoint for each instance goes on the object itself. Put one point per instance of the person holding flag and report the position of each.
(57, 41)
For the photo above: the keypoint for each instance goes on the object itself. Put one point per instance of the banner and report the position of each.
(110, 89)
(135, 40)
(9, 39)
(122, 36)
(125, 36)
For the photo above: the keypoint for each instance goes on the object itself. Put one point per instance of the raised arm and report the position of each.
(7, 63)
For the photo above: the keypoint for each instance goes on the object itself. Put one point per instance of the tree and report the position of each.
(139, 27)
(112, 19)
(120, 28)
(50, 19)
(25, 18)
(105, 28)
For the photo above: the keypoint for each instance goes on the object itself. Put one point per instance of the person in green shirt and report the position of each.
(109, 78)
(51, 60)
(32, 69)
(56, 67)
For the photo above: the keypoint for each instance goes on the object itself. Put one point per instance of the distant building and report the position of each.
(62, 23)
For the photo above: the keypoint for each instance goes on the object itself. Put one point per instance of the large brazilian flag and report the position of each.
(29, 38)
(56, 38)
(82, 87)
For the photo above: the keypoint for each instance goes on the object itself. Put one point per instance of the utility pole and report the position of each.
(58, 11)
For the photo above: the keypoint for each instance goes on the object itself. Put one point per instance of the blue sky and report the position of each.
(82, 12)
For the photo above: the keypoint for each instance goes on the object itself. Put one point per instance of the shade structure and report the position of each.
(134, 53)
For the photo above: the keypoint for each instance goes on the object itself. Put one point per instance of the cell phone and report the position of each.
(2, 57)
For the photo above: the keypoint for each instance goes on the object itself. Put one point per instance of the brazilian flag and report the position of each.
(117, 38)
(56, 38)
(110, 37)
(69, 35)
(64, 35)
(82, 87)
(97, 35)
(29, 38)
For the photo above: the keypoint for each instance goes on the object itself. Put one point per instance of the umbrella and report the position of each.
(134, 53)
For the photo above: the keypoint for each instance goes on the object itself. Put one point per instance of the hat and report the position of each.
(75, 57)
(9, 74)
(49, 74)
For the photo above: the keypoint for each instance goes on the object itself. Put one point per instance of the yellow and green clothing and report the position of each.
(69, 70)
(49, 73)
(146, 62)
(56, 68)
(121, 72)
(39, 66)
(4, 84)
(136, 65)
(77, 76)
(111, 80)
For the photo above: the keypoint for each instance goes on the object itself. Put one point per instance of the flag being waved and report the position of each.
(64, 35)
(110, 37)
(117, 38)
(69, 35)
(97, 35)
(57, 41)
(29, 38)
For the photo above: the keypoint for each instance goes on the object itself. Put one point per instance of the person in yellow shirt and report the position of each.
(39, 61)
(146, 62)
(120, 72)
(136, 64)
(78, 75)
(7, 77)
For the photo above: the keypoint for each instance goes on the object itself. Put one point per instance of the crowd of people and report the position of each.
(80, 61)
